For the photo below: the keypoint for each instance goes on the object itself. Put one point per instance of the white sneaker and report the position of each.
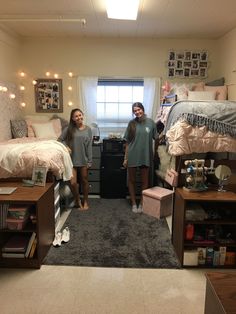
(57, 239)
(134, 209)
(65, 235)
(140, 208)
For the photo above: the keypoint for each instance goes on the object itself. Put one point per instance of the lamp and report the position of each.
(122, 9)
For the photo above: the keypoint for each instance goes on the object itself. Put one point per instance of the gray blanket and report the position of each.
(218, 116)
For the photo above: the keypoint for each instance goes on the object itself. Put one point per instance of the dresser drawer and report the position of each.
(96, 151)
(94, 175)
(96, 163)
(94, 187)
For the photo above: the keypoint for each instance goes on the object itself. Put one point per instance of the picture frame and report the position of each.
(187, 64)
(39, 175)
(48, 95)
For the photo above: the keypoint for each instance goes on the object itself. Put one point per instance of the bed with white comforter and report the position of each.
(19, 156)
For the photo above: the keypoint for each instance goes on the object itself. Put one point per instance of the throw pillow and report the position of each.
(201, 95)
(44, 130)
(221, 91)
(198, 86)
(18, 128)
(56, 123)
(218, 82)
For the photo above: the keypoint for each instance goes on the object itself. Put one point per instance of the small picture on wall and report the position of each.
(180, 55)
(195, 64)
(188, 55)
(171, 72)
(187, 64)
(203, 72)
(179, 72)
(204, 56)
(186, 72)
(179, 64)
(171, 55)
(196, 55)
(171, 64)
(48, 95)
(203, 64)
(194, 72)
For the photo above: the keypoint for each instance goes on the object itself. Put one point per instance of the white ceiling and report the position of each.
(156, 18)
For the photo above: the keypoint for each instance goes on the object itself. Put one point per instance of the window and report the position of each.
(114, 104)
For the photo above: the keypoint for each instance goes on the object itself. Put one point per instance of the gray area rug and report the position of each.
(110, 235)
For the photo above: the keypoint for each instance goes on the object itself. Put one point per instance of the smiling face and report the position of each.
(78, 118)
(138, 112)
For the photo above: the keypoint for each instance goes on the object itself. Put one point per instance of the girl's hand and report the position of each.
(89, 165)
(125, 163)
(69, 150)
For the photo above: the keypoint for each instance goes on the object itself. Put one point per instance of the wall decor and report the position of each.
(48, 95)
(187, 64)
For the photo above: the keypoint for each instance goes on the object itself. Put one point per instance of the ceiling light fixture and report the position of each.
(122, 9)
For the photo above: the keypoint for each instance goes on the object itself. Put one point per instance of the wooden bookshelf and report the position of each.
(42, 200)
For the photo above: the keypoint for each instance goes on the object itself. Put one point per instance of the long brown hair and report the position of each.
(132, 123)
(72, 126)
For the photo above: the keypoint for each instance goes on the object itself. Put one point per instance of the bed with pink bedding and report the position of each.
(19, 156)
(198, 128)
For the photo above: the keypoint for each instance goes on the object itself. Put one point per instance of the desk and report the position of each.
(220, 293)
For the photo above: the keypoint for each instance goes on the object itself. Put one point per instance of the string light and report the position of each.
(34, 82)
(12, 96)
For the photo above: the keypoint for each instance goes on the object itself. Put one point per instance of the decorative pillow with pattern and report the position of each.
(19, 128)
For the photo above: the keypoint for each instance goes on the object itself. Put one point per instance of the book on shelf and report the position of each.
(201, 255)
(3, 215)
(30, 243)
(16, 243)
(13, 255)
(222, 250)
(33, 248)
(216, 258)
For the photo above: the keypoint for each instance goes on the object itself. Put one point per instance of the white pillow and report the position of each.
(45, 130)
(201, 95)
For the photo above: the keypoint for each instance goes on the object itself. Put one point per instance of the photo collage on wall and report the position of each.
(187, 64)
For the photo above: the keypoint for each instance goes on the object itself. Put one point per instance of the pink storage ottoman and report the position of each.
(157, 202)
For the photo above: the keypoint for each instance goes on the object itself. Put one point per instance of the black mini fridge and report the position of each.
(113, 176)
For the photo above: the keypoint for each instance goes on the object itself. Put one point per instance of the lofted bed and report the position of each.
(201, 126)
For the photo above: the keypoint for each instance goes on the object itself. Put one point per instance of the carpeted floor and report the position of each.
(110, 235)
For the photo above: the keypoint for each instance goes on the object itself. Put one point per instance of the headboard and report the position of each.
(10, 109)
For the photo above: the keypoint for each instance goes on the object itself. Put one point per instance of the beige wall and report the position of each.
(9, 57)
(102, 57)
(227, 61)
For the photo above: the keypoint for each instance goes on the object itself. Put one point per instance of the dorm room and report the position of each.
(44, 49)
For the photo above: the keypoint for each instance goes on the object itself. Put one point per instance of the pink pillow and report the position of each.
(198, 86)
(221, 91)
(56, 123)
